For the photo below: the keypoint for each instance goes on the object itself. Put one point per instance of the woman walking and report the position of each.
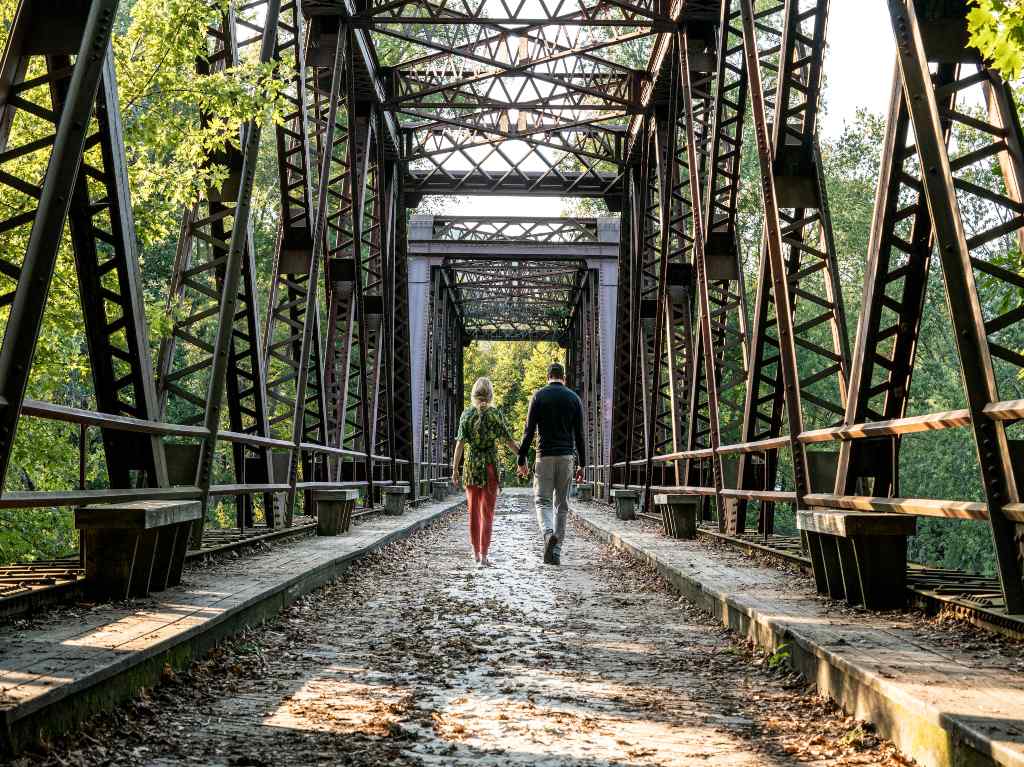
(481, 430)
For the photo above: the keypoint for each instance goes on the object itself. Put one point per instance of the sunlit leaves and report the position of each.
(162, 98)
(997, 30)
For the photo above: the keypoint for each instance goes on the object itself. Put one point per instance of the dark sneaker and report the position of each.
(550, 541)
(556, 559)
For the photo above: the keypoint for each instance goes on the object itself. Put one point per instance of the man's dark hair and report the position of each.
(556, 371)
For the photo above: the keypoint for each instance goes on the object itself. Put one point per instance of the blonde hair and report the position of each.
(483, 393)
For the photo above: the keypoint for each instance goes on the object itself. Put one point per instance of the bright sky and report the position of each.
(858, 70)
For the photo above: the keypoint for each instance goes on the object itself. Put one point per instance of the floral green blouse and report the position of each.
(481, 432)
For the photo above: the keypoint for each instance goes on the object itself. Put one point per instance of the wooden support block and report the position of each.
(852, 588)
(585, 492)
(163, 557)
(145, 555)
(882, 565)
(439, 489)
(394, 499)
(179, 547)
(334, 510)
(133, 548)
(812, 543)
(109, 561)
(625, 503)
(833, 571)
(847, 524)
(862, 556)
(679, 512)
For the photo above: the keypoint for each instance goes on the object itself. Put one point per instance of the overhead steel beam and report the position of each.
(482, 182)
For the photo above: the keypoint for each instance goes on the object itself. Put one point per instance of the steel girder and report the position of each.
(515, 278)
(443, 384)
(352, 395)
(230, 283)
(784, 39)
(299, 140)
(514, 229)
(799, 367)
(584, 372)
(215, 350)
(815, 295)
(104, 244)
(400, 334)
(344, 145)
(619, 449)
(896, 280)
(965, 242)
(515, 300)
(515, 104)
(726, 293)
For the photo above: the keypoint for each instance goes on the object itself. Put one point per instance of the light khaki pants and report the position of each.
(552, 476)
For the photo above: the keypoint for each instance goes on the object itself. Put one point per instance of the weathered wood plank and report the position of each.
(849, 523)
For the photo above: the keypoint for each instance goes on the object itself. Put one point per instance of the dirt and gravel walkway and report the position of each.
(417, 658)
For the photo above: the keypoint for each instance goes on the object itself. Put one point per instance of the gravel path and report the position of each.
(417, 658)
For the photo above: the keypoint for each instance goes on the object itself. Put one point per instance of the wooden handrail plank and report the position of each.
(921, 507)
(683, 489)
(706, 452)
(253, 439)
(1008, 410)
(53, 412)
(775, 496)
(24, 499)
(949, 419)
(757, 446)
(249, 487)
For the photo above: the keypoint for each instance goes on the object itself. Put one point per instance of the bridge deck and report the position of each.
(945, 692)
(414, 658)
(70, 658)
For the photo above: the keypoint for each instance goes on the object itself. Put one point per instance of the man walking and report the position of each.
(558, 413)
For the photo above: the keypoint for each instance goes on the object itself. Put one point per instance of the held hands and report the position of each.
(579, 475)
(522, 471)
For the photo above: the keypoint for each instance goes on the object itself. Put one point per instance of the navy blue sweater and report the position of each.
(557, 411)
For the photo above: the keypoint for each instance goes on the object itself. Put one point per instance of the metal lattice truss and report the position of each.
(526, 97)
(516, 300)
(514, 229)
(354, 376)
(709, 406)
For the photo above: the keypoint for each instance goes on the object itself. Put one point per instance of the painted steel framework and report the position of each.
(354, 376)
(783, 387)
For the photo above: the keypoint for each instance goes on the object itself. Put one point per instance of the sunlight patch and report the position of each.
(340, 706)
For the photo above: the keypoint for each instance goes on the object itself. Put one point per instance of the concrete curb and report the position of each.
(67, 706)
(928, 736)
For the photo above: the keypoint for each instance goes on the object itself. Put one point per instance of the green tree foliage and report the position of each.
(997, 30)
(168, 146)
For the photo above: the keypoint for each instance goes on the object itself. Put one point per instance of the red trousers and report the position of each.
(481, 502)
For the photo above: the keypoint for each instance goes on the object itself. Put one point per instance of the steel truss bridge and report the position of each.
(347, 371)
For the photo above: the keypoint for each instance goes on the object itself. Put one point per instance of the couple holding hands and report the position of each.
(557, 414)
